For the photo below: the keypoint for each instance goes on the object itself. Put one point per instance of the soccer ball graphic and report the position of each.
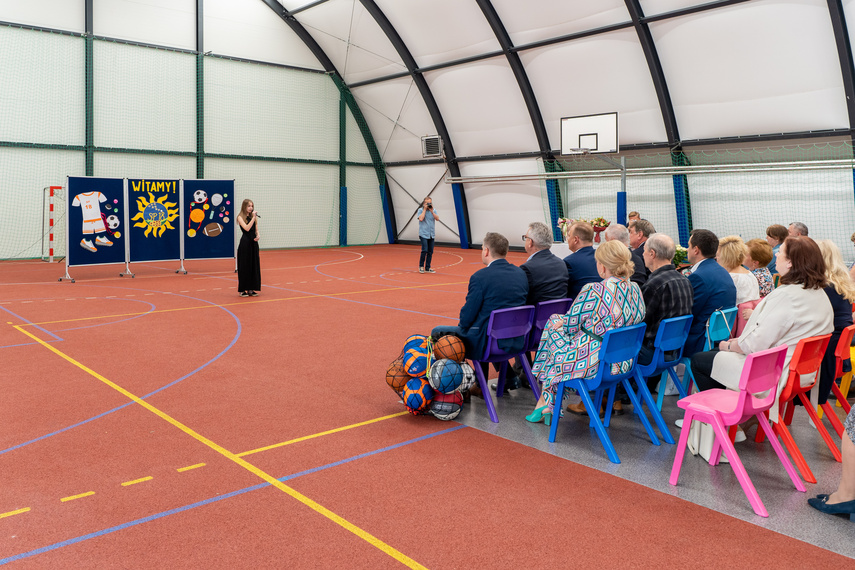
(112, 222)
(200, 196)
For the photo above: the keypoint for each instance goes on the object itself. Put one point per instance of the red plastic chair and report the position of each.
(806, 359)
(841, 353)
(721, 408)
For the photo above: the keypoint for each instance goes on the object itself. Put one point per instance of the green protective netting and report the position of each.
(732, 191)
(280, 133)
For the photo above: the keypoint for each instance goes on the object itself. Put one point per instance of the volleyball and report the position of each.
(451, 347)
(415, 341)
(416, 361)
(446, 406)
(417, 395)
(468, 376)
(396, 376)
(445, 376)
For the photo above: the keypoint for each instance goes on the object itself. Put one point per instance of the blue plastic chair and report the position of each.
(504, 324)
(670, 336)
(619, 345)
(719, 325)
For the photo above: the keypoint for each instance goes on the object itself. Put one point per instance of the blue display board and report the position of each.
(154, 220)
(96, 232)
(209, 219)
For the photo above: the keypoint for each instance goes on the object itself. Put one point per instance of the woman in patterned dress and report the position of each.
(759, 256)
(570, 344)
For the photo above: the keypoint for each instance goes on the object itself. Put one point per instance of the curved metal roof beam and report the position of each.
(844, 53)
(656, 74)
(519, 72)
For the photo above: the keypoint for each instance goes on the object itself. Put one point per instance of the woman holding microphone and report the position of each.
(248, 262)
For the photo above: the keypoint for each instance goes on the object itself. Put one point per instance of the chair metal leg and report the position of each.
(741, 474)
(485, 390)
(651, 405)
(820, 427)
(681, 447)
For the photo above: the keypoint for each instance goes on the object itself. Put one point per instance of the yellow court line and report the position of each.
(297, 298)
(18, 512)
(188, 468)
(80, 496)
(314, 435)
(372, 540)
(135, 481)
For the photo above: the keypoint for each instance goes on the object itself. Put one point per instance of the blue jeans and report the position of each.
(427, 252)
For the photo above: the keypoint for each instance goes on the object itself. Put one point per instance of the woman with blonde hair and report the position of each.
(730, 255)
(758, 256)
(570, 344)
(841, 295)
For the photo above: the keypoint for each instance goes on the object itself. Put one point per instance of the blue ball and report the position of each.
(417, 395)
(446, 376)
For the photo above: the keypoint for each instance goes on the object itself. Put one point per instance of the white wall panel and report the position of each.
(356, 150)
(569, 81)
(365, 220)
(526, 25)
(57, 14)
(653, 7)
(124, 165)
(161, 22)
(409, 185)
(250, 29)
(352, 40)
(504, 207)
(439, 31)
(397, 116)
(760, 67)
(483, 108)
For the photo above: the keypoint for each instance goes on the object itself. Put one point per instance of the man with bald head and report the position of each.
(621, 233)
(667, 292)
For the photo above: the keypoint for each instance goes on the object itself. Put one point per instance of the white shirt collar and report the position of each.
(695, 266)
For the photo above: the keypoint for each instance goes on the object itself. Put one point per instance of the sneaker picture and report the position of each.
(87, 244)
(102, 240)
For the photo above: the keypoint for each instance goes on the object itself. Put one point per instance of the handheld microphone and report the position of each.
(257, 215)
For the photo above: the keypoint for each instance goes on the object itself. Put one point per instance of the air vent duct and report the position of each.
(431, 146)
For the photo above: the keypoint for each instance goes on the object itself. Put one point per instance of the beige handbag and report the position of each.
(700, 441)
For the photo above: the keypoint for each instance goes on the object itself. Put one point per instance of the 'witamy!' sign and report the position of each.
(168, 186)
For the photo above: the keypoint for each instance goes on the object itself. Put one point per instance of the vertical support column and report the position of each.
(200, 91)
(553, 197)
(89, 144)
(681, 198)
(621, 196)
(462, 213)
(342, 170)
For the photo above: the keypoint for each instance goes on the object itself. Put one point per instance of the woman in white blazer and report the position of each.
(797, 309)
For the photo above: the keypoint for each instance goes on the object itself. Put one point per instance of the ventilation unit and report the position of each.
(431, 147)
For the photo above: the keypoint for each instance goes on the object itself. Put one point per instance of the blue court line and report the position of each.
(163, 514)
(31, 323)
(164, 387)
(152, 308)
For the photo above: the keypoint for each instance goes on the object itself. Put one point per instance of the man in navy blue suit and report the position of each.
(500, 285)
(712, 287)
(581, 265)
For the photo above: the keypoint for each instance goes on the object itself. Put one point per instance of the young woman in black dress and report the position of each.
(248, 263)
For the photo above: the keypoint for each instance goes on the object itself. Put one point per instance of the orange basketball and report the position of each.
(451, 347)
(396, 376)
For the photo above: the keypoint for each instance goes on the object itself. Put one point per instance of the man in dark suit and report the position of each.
(581, 265)
(639, 231)
(621, 233)
(712, 287)
(500, 285)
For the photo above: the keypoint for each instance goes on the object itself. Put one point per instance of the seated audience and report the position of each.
(841, 295)
(500, 285)
(842, 501)
(581, 265)
(570, 343)
(775, 236)
(639, 231)
(758, 257)
(621, 234)
(667, 292)
(731, 254)
(798, 308)
(797, 229)
(712, 287)
(633, 216)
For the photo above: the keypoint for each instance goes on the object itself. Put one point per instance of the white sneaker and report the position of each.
(679, 423)
(102, 240)
(87, 244)
(421, 269)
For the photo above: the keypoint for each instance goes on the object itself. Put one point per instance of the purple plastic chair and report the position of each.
(722, 408)
(542, 312)
(505, 324)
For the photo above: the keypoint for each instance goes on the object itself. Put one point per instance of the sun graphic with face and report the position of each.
(155, 215)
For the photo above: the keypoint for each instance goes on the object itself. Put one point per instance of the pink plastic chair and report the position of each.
(722, 408)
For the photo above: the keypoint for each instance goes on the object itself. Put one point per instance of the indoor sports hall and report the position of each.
(158, 413)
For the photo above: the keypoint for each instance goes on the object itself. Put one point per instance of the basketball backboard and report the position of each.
(589, 134)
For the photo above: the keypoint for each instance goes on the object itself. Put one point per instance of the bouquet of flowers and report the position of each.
(564, 225)
(680, 256)
(599, 223)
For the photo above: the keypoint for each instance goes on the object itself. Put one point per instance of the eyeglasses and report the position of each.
(525, 237)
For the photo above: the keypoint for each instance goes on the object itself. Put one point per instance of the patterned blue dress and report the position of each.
(571, 350)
